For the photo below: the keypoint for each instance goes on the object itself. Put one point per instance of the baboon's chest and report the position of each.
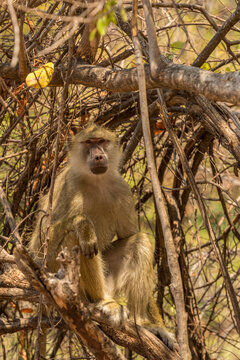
(102, 211)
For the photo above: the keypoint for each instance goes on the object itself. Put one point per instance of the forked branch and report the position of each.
(61, 290)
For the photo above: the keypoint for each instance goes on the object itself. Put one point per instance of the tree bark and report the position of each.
(61, 290)
(214, 86)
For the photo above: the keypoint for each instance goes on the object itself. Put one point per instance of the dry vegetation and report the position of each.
(36, 126)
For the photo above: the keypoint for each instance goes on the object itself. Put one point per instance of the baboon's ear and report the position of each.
(71, 141)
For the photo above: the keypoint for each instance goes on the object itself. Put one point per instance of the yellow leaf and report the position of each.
(41, 77)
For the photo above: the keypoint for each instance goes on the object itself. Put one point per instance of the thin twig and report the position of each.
(9, 216)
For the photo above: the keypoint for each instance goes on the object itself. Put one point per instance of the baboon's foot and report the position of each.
(164, 335)
(115, 312)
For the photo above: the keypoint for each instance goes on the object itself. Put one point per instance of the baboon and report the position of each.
(93, 207)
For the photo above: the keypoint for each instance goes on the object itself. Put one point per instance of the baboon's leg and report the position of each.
(92, 277)
(93, 283)
(130, 273)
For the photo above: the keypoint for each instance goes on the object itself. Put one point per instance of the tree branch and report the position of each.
(214, 86)
(9, 215)
(218, 37)
(61, 289)
(176, 279)
(87, 49)
(201, 205)
(12, 326)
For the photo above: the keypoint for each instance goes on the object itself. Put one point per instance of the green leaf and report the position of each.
(170, 56)
(107, 16)
(123, 14)
(110, 4)
(92, 34)
(7, 116)
(112, 18)
(102, 24)
(177, 45)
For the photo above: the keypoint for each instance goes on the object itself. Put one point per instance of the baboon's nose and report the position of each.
(98, 157)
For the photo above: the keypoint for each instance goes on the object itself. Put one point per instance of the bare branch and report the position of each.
(214, 86)
(9, 215)
(176, 279)
(12, 326)
(218, 37)
(202, 209)
(16, 33)
(157, 61)
(23, 60)
(61, 290)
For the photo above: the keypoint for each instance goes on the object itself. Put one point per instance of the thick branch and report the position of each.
(5, 257)
(214, 86)
(61, 291)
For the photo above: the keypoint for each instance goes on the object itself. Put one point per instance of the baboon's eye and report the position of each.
(103, 142)
(87, 143)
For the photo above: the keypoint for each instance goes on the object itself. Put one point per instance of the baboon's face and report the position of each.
(96, 154)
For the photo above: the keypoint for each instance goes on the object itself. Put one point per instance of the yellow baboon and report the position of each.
(93, 207)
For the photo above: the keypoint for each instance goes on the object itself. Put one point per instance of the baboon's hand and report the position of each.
(164, 335)
(89, 248)
(115, 312)
(86, 235)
